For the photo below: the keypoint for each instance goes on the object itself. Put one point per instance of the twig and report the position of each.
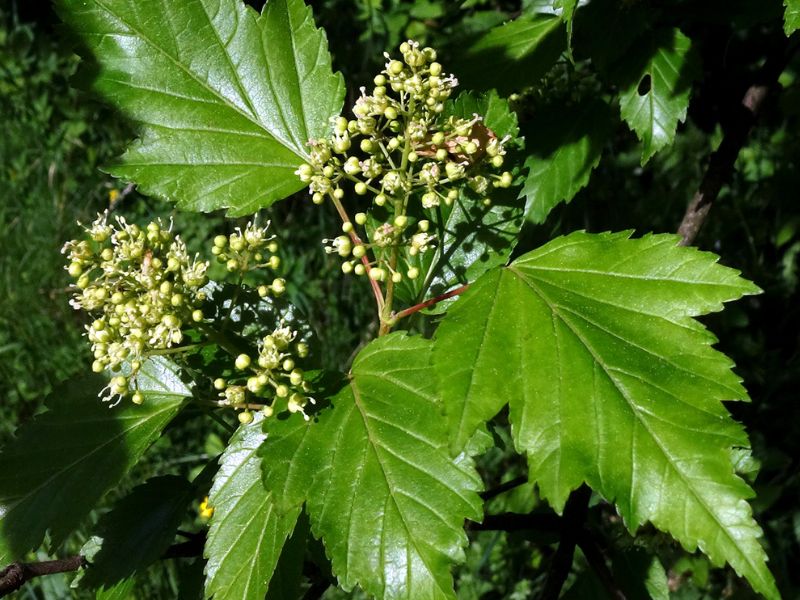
(571, 526)
(17, 574)
(721, 165)
(504, 487)
(548, 523)
(418, 307)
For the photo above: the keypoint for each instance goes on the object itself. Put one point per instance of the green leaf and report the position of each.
(121, 591)
(567, 8)
(226, 99)
(564, 149)
(655, 88)
(611, 382)
(387, 500)
(512, 56)
(791, 20)
(138, 530)
(247, 530)
(63, 462)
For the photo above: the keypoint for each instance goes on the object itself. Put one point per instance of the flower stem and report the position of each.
(376, 290)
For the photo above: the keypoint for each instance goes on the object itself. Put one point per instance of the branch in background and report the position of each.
(17, 574)
(721, 165)
(504, 487)
(594, 556)
(571, 527)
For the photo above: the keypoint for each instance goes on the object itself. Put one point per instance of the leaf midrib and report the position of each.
(204, 84)
(358, 402)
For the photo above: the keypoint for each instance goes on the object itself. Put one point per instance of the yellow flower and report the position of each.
(206, 510)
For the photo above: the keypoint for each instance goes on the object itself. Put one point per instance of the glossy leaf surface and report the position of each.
(387, 500)
(591, 340)
(226, 100)
(247, 531)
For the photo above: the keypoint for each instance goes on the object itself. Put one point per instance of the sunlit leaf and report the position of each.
(226, 100)
(610, 381)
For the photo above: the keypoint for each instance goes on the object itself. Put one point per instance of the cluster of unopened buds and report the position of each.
(250, 249)
(142, 286)
(401, 147)
(271, 376)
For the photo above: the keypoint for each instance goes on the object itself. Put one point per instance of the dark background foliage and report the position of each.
(54, 140)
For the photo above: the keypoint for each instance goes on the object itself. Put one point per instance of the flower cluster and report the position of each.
(141, 286)
(250, 249)
(401, 147)
(273, 375)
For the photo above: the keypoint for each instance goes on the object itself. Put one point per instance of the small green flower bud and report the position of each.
(245, 417)
(296, 403)
(296, 377)
(232, 265)
(412, 157)
(263, 291)
(359, 269)
(317, 198)
(361, 218)
(435, 69)
(397, 277)
(379, 80)
(268, 411)
(361, 188)
(238, 243)
(347, 268)
(254, 385)
(242, 362)
(347, 226)
(274, 262)
(221, 241)
(377, 274)
(423, 225)
(390, 113)
(497, 161)
(359, 250)
(282, 390)
(380, 199)
(278, 286)
(137, 398)
(219, 384)
(197, 315)
(413, 273)
(395, 67)
(401, 221)
(97, 366)
(302, 349)
(367, 145)
(338, 193)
